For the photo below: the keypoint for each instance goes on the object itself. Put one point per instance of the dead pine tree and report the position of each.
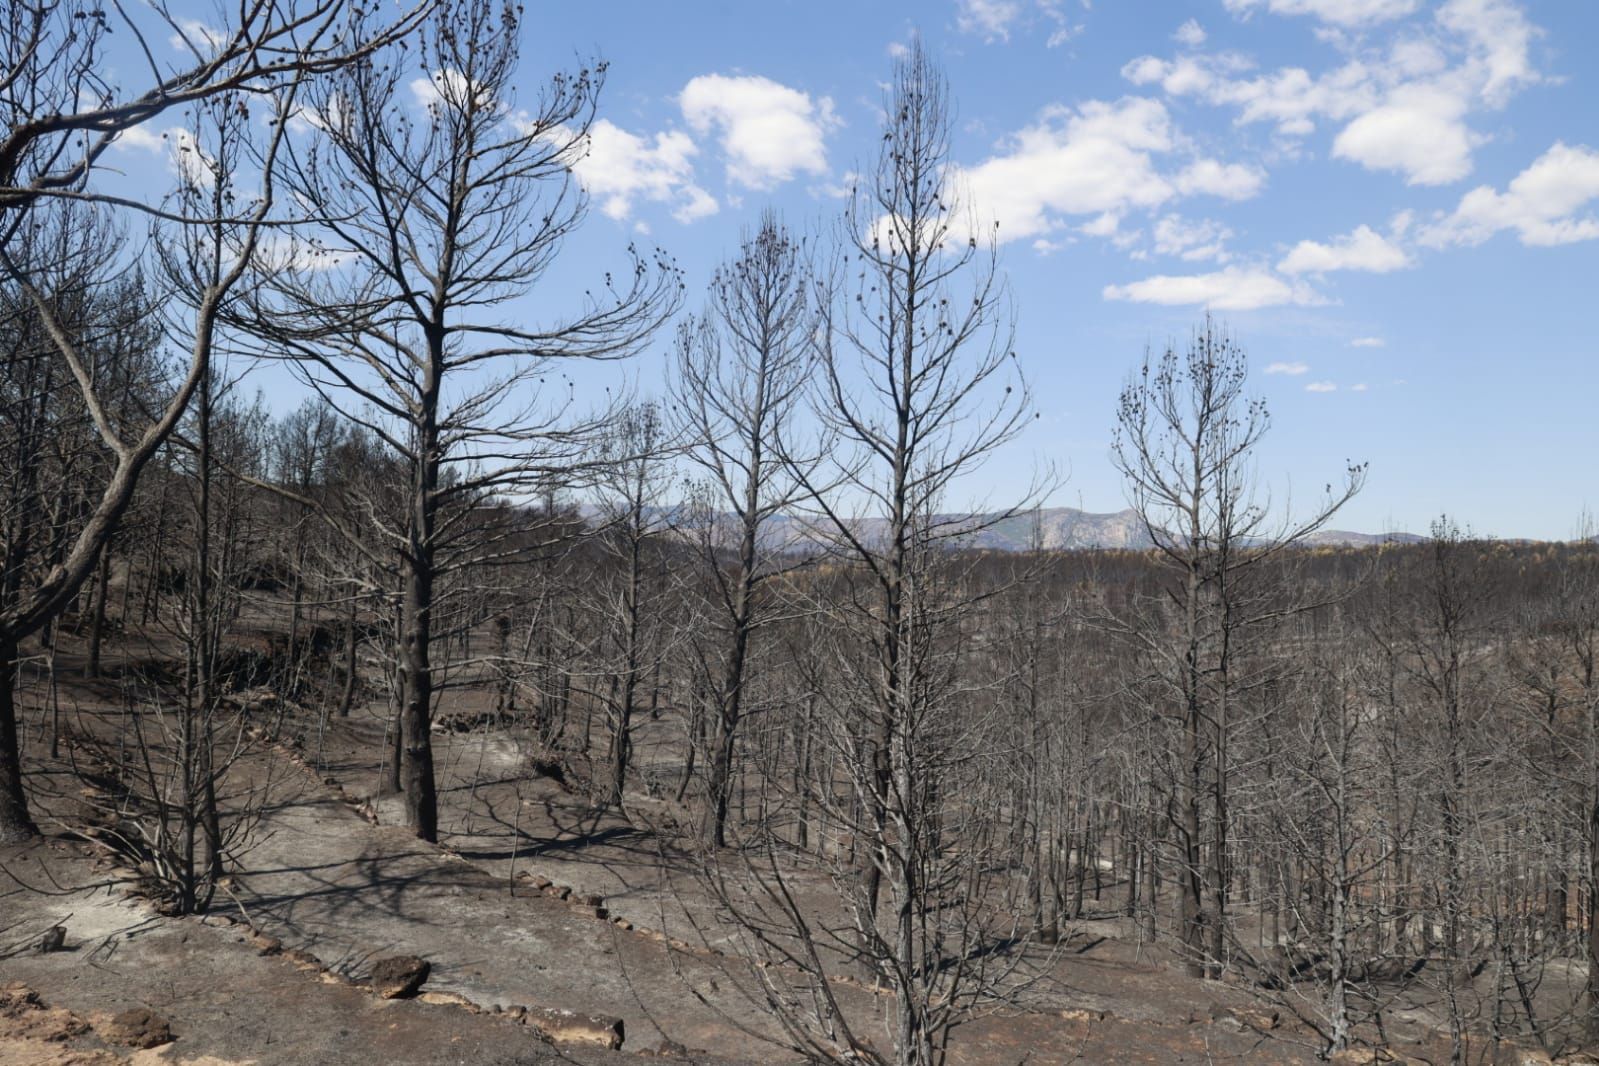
(177, 769)
(742, 367)
(916, 384)
(168, 763)
(1447, 622)
(630, 605)
(1185, 437)
(438, 213)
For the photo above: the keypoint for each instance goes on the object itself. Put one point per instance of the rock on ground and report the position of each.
(399, 976)
(137, 1027)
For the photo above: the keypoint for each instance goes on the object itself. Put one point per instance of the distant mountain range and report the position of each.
(1055, 528)
(1340, 538)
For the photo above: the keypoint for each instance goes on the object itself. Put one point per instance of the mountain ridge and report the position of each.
(1048, 528)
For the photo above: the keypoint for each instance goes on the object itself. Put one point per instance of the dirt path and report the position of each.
(326, 881)
(226, 1003)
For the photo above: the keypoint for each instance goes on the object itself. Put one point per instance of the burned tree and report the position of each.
(917, 385)
(1186, 434)
(630, 629)
(741, 371)
(428, 218)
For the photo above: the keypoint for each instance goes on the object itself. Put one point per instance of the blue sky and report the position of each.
(1393, 204)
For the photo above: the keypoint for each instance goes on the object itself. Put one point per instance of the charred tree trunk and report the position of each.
(416, 727)
(15, 822)
(97, 616)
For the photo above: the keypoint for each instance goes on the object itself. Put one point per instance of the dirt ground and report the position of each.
(227, 1004)
(534, 901)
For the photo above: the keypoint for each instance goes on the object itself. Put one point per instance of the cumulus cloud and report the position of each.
(1096, 160)
(194, 164)
(1546, 204)
(768, 131)
(196, 37)
(620, 168)
(1192, 241)
(1290, 98)
(184, 155)
(143, 138)
(1230, 181)
(1403, 101)
(1291, 369)
(285, 251)
(1368, 342)
(1337, 12)
(1190, 33)
(1321, 386)
(1363, 249)
(1500, 39)
(1102, 159)
(1232, 289)
(993, 20)
(446, 84)
(1419, 131)
(990, 19)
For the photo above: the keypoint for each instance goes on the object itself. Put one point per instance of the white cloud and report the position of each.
(1368, 342)
(1100, 159)
(769, 132)
(842, 189)
(1500, 38)
(284, 251)
(1104, 225)
(1361, 387)
(1363, 249)
(193, 164)
(1337, 12)
(620, 168)
(1190, 33)
(1192, 241)
(1321, 386)
(332, 115)
(1230, 181)
(184, 155)
(1097, 160)
(143, 138)
(447, 84)
(1060, 34)
(1291, 369)
(1152, 70)
(1418, 131)
(1404, 99)
(1546, 204)
(994, 20)
(1290, 98)
(195, 37)
(990, 19)
(1231, 289)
